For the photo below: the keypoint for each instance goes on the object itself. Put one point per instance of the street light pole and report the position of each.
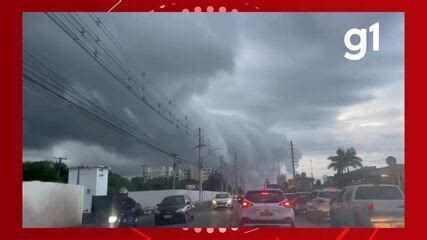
(222, 176)
(174, 156)
(293, 163)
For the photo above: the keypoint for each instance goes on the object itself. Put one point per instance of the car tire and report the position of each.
(334, 222)
(185, 220)
(316, 217)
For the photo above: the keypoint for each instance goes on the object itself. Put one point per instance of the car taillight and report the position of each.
(246, 203)
(295, 200)
(285, 203)
(371, 208)
(264, 193)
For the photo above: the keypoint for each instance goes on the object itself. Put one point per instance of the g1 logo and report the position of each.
(359, 50)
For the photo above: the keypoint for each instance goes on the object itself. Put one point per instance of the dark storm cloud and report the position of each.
(246, 79)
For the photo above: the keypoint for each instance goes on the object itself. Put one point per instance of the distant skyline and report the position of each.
(253, 82)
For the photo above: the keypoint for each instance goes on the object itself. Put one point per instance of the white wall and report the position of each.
(50, 205)
(153, 197)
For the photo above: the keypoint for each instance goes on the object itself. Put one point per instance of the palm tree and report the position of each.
(344, 159)
(337, 162)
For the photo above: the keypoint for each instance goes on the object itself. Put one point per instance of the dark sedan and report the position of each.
(174, 209)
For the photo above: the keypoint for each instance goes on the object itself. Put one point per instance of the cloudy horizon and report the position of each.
(253, 82)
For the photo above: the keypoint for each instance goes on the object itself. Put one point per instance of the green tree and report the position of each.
(344, 159)
(115, 182)
(318, 184)
(213, 183)
(46, 171)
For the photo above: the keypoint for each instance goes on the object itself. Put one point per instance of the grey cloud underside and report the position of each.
(238, 77)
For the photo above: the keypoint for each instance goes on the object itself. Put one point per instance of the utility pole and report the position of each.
(222, 176)
(235, 172)
(293, 163)
(225, 177)
(175, 162)
(311, 166)
(60, 162)
(143, 172)
(199, 147)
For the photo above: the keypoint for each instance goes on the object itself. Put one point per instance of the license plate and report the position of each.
(265, 213)
(167, 216)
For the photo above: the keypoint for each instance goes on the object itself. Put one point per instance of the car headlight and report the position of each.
(229, 201)
(180, 210)
(112, 219)
(213, 202)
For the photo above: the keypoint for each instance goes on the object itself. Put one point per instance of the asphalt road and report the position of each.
(205, 216)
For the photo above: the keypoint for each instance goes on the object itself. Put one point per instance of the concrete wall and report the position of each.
(50, 205)
(153, 197)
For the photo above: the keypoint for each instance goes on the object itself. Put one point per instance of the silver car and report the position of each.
(318, 203)
(369, 205)
(266, 207)
(222, 200)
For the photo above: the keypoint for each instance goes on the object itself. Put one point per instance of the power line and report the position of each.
(42, 79)
(89, 40)
(85, 37)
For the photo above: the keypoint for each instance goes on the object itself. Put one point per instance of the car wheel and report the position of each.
(316, 217)
(185, 218)
(359, 222)
(334, 223)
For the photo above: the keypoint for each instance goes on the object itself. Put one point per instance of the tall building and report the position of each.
(194, 173)
(161, 172)
(206, 172)
(147, 173)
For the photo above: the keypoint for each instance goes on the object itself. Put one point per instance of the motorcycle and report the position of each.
(124, 219)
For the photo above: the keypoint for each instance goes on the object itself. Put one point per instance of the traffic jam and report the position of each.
(358, 206)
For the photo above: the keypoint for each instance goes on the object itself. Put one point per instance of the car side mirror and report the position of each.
(187, 203)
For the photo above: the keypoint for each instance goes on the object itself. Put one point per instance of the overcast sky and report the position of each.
(253, 82)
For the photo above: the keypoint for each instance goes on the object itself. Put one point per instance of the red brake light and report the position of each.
(285, 203)
(295, 200)
(371, 208)
(264, 193)
(246, 203)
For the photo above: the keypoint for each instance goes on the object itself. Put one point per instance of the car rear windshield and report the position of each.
(328, 194)
(173, 200)
(302, 195)
(265, 196)
(378, 193)
(222, 195)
